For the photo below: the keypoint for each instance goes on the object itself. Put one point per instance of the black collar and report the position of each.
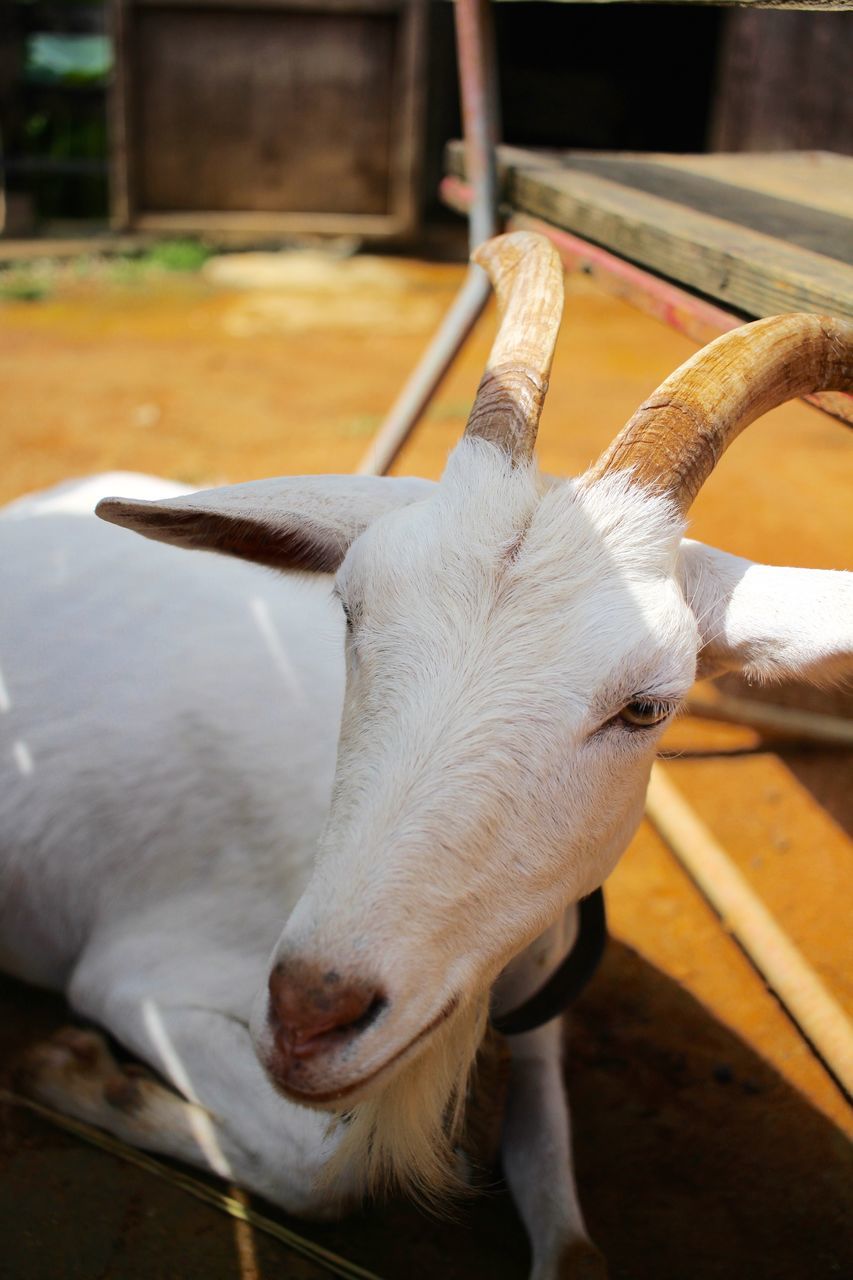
(568, 979)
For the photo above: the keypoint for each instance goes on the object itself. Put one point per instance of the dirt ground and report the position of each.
(711, 1143)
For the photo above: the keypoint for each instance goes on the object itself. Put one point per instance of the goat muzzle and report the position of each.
(311, 1012)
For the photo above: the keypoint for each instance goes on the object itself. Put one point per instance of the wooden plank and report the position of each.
(820, 179)
(828, 233)
(740, 268)
(311, 6)
(241, 222)
(832, 5)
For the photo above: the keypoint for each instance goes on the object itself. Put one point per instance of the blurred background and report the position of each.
(223, 248)
(312, 126)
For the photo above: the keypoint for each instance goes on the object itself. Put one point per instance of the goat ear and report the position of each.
(295, 522)
(765, 622)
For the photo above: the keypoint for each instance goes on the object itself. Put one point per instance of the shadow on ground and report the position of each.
(695, 1160)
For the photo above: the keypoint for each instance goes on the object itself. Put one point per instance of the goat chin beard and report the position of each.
(405, 1139)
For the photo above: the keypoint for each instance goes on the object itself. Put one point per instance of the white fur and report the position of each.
(766, 622)
(175, 787)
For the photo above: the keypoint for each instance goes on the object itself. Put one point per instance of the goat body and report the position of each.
(170, 729)
(171, 724)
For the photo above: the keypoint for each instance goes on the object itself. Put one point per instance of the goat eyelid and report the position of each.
(644, 712)
(641, 713)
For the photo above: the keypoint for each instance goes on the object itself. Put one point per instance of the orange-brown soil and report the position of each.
(710, 1139)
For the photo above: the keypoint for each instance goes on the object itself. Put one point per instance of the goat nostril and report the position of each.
(305, 1041)
(309, 1013)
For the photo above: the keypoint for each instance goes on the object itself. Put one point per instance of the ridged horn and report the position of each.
(527, 277)
(676, 437)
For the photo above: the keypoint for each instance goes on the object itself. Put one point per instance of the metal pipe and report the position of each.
(478, 88)
(478, 93)
(427, 375)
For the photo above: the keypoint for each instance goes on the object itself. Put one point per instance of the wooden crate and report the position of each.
(267, 117)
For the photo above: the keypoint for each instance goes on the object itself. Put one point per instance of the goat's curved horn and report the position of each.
(527, 277)
(677, 436)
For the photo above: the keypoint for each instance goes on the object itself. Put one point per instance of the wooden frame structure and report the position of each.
(192, 151)
(478, 195)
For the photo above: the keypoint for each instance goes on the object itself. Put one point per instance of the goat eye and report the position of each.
(347, 614)
(643, 713)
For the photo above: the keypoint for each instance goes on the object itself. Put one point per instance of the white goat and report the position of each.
(189, 762)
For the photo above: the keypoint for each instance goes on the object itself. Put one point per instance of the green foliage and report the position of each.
(177, 255)
(23, 286)
(40, 278)
(186, 256)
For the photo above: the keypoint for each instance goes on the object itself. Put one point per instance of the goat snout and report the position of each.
(311, 1012)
